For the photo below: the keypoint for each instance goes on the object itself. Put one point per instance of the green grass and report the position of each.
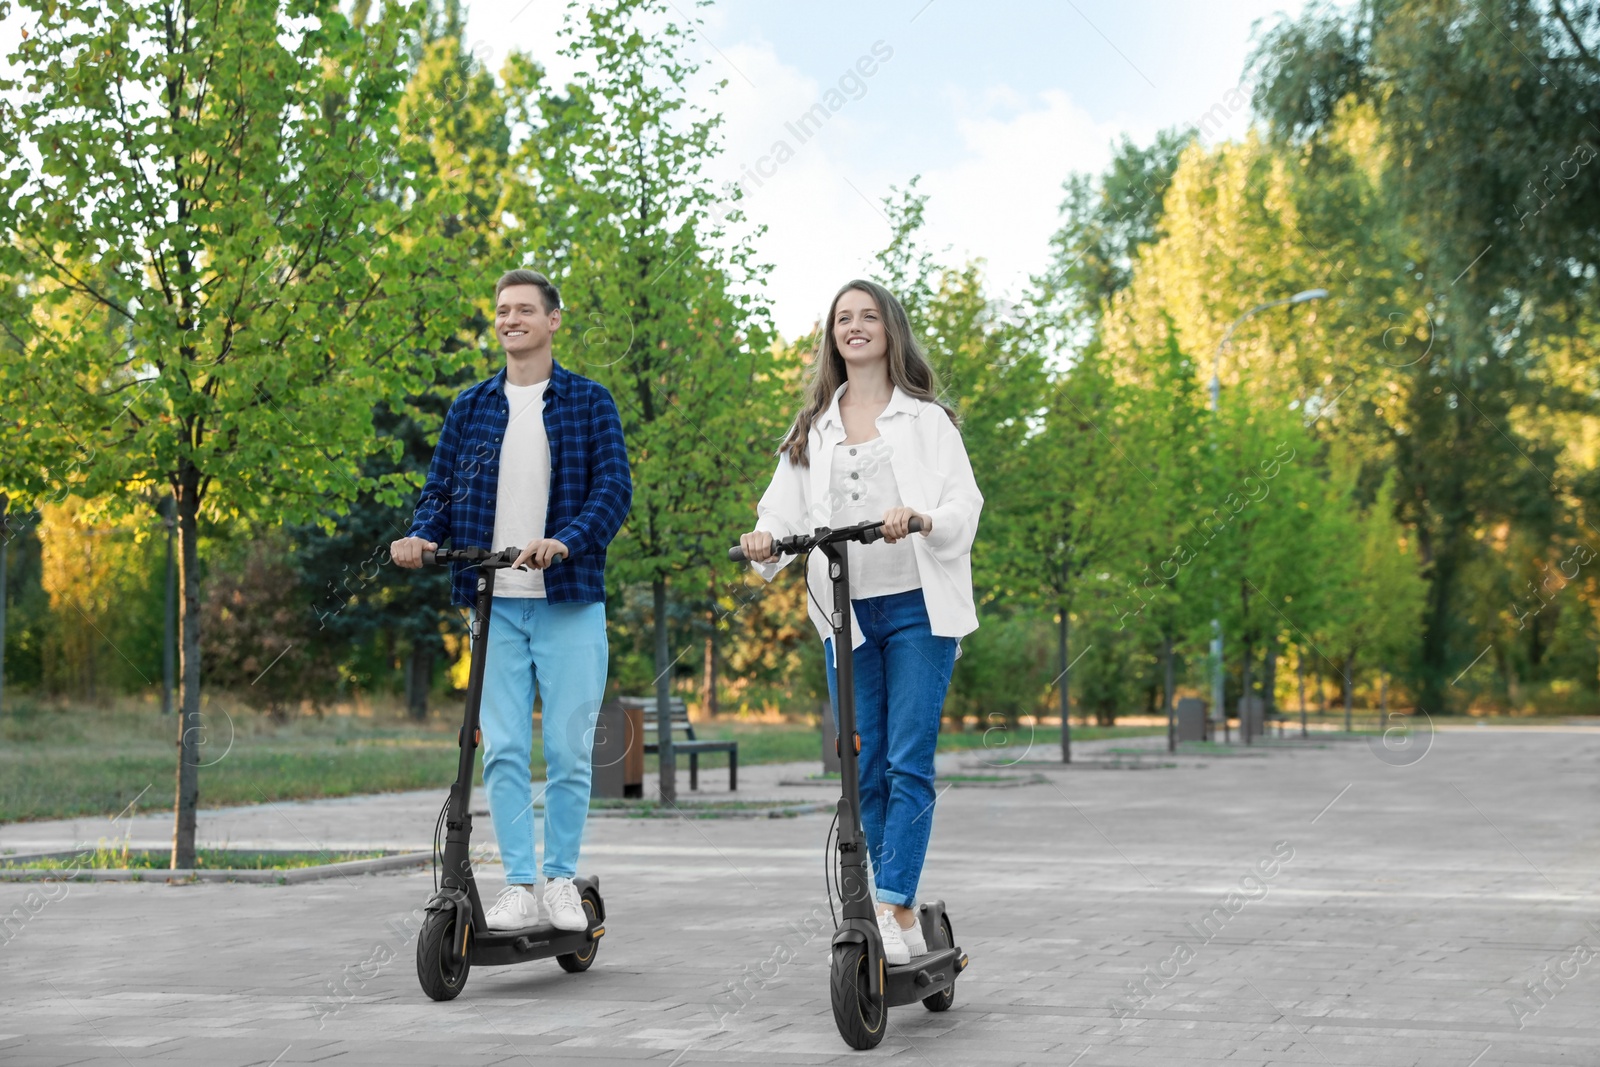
(217, 859)
(64, 760)
(61, 761)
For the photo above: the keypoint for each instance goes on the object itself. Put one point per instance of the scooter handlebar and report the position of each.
(505, 557)
(792, 545)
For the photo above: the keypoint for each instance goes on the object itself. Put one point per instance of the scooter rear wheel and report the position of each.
(578, 962)
(862, 1018)
(442, 978)
(942, 1000)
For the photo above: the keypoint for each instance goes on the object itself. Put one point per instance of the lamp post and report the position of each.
(1303, 297)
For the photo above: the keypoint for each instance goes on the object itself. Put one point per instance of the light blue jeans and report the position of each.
(902, 672)
(558, 651)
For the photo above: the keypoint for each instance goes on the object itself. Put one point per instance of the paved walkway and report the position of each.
(1330, 903)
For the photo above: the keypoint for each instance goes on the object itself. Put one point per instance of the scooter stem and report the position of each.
(458, 819)
(853, 887)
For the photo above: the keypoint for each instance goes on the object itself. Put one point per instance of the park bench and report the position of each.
(692, 745)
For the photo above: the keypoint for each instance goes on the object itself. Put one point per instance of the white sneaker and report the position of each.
(894, 942)
(515, 909)
(916, 944)
(564, 905)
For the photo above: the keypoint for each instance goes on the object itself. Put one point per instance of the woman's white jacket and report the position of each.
(924, 450)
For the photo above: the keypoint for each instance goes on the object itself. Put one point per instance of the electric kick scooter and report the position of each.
(455, 934)
(862, 983)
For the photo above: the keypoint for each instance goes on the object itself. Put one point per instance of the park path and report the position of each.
(1113, 917)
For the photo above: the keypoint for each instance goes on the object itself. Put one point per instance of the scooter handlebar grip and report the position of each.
(428, 557)
(736, 554)
(915, 525)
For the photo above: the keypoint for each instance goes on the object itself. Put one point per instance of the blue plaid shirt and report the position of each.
(590, 487)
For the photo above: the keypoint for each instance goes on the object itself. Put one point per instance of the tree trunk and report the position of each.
(1269, 687)
(1300, 675)
(666, 757)
(1244, 695)
(169, 623)
(1062, 636)
(90, 662)
(1166, 671)
(5, 541)
(1349, 665)
(419, 679)
(708, 685)
(1383, 699)
(189, 727)
(1440, 619)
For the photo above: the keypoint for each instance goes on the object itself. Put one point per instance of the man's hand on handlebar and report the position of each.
(407, 552)
(541, 552)
(757, 546)
(897, 524)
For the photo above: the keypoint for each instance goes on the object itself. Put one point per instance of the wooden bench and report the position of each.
(692, 745)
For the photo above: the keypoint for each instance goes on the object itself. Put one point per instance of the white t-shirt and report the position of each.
(522, 495)
(863, 488)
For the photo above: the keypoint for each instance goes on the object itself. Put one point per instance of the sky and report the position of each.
(994, 105)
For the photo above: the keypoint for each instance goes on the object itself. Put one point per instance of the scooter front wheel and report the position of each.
(443, 978)
(861, 1017)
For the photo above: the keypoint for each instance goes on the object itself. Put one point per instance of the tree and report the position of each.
(1482, 136)
(669, 316)
(220, 282)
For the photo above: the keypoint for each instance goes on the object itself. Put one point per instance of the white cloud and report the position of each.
(1000, 200)
(797, 175)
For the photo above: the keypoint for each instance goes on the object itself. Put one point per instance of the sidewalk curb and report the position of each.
(293, 876)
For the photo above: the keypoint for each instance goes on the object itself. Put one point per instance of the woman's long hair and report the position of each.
(908, 367)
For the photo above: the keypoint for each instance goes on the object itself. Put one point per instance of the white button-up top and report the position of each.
(929, 461)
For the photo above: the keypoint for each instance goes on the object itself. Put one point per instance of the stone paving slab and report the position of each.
(1112, 919)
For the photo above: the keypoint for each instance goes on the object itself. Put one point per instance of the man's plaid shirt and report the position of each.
(590, 487)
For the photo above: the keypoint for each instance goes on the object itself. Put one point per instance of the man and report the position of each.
(534, 457)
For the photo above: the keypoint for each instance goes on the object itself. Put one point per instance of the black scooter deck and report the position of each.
(498, 948)
(925, 975)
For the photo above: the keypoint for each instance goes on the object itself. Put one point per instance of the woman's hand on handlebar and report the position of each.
(407, 552)
(757, 545)
(541, 552)
(897, 524)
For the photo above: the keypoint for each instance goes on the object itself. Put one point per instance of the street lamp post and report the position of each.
(1217, 697)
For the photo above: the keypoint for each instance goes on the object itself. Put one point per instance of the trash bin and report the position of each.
(1250, 709)
(610, 751)
(633, 765)
(1191, 719)
(830, 752)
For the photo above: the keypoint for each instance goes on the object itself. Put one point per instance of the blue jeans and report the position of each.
(902, 672)
(560, 651)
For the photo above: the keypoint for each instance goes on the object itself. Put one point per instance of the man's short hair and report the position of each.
(551, 295)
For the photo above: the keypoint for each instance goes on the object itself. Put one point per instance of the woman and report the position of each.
(873, 441)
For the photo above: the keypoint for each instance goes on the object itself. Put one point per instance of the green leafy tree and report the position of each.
(662, 312)
(1484, 139)
(210, 213)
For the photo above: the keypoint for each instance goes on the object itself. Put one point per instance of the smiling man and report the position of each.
(533, 457)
